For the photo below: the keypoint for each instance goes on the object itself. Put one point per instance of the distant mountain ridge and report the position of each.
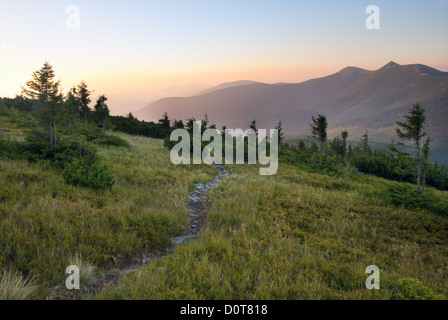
(352, 98)
(227, 85)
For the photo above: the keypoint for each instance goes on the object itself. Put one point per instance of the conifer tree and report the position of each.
(365, 142)
(319, 130)
(281, 136)
(412, 130)
(253, 125)
(45, 92)
(102, 111)
(84, 99)
(165, 121)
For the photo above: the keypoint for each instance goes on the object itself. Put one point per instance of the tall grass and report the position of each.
(87, 270)
(300, 236)
(44, 221)
(14, 287)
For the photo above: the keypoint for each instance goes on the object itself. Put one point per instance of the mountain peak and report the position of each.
(391, 64)
(351, 70)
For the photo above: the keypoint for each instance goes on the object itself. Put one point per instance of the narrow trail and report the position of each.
(196, 207)
(197, 211)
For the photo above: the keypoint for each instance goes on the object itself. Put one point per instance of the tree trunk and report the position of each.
(85, 116)
(418, 166)
(424, 178)
(104, 127)
(50, 131)
(55, 132)
(79, 147)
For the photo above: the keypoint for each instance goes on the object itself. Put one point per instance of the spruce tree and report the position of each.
(281, 136)
(412, 130)
(319, 130)
(365, 142)
(45, 92)
(84, 98)
(102, 112)
(165, 121)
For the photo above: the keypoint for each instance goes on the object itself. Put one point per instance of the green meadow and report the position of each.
(46, 223)
(294, 235)
(299, 235)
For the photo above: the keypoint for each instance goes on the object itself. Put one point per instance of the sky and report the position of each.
(136, 51)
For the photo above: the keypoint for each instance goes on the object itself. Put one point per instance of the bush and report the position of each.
(87, 270)
(406, 196)
(401, 168)
(37, 148)
(11, 149)
(413, 289)
(95, 175)
(112, 140)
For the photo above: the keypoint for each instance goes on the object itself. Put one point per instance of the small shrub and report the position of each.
(15, 287)
(37, 148)
(87, 270)
(95, 175)
(11, 149)
(401, 195)
(112, 140)
(413, 289)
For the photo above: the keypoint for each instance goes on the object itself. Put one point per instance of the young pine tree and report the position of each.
(365, 143)
(102, 112)
(45, 92)
(189, 124)
(84, 99)
(281, 136)
(165, 121)
(412, 130)
(204, 123)
(319, 130)
(178, 124)
(253, 126)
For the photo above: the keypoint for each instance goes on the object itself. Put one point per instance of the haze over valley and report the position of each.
(353, 99)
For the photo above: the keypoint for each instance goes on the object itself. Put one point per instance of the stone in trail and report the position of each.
(200, 186)
(195, 199)
(179, 240)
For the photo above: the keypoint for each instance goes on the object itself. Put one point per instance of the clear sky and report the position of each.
(130, 50)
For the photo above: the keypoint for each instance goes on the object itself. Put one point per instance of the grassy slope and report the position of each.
(300, 236)
(44, 221)
(294, 235)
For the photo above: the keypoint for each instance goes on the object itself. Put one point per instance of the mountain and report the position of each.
(228, 85)
(353, 99)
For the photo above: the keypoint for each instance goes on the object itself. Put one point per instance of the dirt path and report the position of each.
(197, 210)
(196, 207)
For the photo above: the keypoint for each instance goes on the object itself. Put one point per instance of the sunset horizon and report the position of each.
(176, 48)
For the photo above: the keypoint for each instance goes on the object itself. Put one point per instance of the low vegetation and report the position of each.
(14, 287)
(44, 221)
(300, 235)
